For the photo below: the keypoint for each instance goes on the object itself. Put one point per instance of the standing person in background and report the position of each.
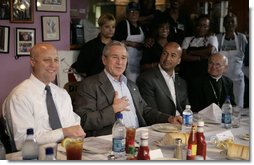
(25, 107)
(148, 13)
(197, 49)
(232, 45)
(132, 35)
(179, 20)
(161, 87)
(100, 96)
(212, 87)
(89, 59)
(151, 55)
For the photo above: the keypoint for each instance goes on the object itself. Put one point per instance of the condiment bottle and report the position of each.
(192, 144)
(131, 151)
(143, 152)
(201, 143)
(178, 150)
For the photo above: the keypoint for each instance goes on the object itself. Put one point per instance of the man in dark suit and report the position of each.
(161, 87)
(213, 87)
(100, 96)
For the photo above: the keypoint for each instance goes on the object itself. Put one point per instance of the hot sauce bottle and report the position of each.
(143, 152)
(192, 144)
(201, 143)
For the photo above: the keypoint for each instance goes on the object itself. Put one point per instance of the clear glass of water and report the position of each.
(236, 116)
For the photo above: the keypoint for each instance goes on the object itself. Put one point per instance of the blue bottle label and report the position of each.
(118, 144)
(227, 118)
(187, 120)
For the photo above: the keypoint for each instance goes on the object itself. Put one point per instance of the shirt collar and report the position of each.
(216, 78)
(165, 74)
(112, 79)
(39, 84)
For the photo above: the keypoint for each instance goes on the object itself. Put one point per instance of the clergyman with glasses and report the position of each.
(212, 87)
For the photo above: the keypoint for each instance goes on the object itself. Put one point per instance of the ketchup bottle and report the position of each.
(201, 143)
(143, 152)
(192, 144)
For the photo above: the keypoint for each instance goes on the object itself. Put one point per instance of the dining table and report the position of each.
(100, 147)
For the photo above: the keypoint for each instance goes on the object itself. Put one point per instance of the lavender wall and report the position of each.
(13, 71)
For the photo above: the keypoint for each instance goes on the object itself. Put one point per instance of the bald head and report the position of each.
(175, 46)
(44, 61)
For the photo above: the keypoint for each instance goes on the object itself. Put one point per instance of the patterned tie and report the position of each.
(53, 116)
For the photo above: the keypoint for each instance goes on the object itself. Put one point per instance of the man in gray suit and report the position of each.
(161, 87)
(100, 96)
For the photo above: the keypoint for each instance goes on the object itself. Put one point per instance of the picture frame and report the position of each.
(25, 40)
(50, 28)
(22, 11)
(51, 5)
(4, 9)
(4, 39)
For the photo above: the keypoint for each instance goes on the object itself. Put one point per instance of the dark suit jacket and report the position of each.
(154, 90)
(201, 92)
(94, 101)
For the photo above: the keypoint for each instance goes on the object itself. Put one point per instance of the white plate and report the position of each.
(166, 127)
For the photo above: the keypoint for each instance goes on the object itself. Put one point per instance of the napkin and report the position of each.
(211, 114)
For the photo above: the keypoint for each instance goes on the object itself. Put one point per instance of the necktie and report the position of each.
(54, 120)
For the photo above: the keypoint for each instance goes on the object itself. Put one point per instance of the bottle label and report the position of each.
(227, 118)
(187, 120)
(223, 118)
(118, 145)
(192, 150)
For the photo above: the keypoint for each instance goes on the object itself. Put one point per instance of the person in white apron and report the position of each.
(232, 45)
(133, 40)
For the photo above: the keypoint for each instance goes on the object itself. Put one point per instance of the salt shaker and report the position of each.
(178, 150)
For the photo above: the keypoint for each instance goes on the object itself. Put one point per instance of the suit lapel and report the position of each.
(106, 87)
(162, 83)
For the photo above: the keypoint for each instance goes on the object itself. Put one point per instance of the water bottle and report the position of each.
(30, 148)
(49, 151)
(119, 135)
(187, 119)
(226, 113)
(2, 151)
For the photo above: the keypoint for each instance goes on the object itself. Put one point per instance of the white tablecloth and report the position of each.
(98, 148)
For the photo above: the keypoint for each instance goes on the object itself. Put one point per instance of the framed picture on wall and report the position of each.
(22, 11)
(51, 5)
(4, 39)
(4, 9)
(25, 40)
(50, 28)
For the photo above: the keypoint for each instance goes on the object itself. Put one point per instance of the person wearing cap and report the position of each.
(130, 33)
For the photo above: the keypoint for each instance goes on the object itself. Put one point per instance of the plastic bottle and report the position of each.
(49, 151)
(201, 143)
(187, 119)
(30, 148)
(143, 152)
(178, 150)
(119, 135)
(192, 144)
(226, 113)
(2, 151)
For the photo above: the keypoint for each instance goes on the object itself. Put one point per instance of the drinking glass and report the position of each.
(74, 148)
(236, 116)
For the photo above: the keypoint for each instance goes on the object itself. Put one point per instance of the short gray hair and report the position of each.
(105, 51)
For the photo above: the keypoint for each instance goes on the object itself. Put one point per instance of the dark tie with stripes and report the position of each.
(54, 120)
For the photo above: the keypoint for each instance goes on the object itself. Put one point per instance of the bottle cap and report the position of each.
(119, 115)
(178, 140)
(30, 131)
(187, 106)
(201, 123)
(144, 135)
(49, 151)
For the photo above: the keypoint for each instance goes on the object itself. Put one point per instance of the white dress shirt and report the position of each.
(25, 107)
(130, 118)
(170, 81)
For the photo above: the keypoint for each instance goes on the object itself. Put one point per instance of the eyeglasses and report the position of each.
(216, 65)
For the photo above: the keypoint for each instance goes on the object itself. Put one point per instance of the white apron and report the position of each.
(234, 70)
(133, 68)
